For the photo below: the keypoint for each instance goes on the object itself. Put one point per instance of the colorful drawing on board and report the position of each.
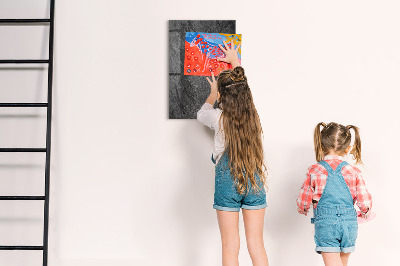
(202, 51)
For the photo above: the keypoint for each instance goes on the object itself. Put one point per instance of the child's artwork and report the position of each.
(187, 93)
(202, 51)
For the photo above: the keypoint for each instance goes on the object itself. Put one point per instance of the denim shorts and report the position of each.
(226, 195)
(335, 232)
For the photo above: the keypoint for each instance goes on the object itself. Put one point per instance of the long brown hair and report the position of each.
(242, 129)
(336, 137)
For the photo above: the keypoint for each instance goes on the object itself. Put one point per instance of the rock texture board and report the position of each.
(188, 93)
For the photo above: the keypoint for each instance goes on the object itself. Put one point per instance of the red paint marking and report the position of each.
(199, 64)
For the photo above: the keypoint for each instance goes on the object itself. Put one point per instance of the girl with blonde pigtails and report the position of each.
(332, 187)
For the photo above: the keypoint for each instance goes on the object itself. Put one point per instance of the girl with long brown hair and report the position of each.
(240, 172)
(333, 186)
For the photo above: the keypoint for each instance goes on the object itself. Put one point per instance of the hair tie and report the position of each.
(234, 84)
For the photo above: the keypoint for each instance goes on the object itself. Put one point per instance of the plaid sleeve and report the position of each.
(305, 196)
(364, 199)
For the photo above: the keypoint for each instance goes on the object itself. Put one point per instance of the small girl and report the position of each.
(238, 155)
(333, 186)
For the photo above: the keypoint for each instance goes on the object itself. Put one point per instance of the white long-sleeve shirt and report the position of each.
(209, 116)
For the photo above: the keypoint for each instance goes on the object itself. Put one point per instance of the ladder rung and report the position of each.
(34, 20)
(21, 247)
(23, 104)
(23, 61)
(22, 197)
(22, 149)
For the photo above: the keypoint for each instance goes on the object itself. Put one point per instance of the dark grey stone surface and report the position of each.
(188, 93)
(175, 47)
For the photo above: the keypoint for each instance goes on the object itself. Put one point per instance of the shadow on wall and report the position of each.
(193, 204)
(283, 223)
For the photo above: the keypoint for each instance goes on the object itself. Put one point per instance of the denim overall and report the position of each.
(226, 195)
(335, 217)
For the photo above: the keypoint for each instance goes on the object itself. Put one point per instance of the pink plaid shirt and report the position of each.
(314, 185)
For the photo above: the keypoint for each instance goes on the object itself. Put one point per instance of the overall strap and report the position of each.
(326, 166)
(340, 166)
(336, 197)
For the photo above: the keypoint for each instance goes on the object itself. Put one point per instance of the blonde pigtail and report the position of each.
(356, 151)
(319, 153)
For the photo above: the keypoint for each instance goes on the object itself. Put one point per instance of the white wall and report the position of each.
(131, 187)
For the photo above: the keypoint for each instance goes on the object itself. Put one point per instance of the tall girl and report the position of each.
(333, 186)
(238, 155)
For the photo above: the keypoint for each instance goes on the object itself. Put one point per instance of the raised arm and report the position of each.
(231, 54)
(214, 90)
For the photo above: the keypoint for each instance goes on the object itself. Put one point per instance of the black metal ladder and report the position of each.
(47, 105)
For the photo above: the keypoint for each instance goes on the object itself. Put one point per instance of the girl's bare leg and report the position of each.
(345, 258)
(254, 225)
(229, 228)
(332, 259)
